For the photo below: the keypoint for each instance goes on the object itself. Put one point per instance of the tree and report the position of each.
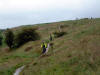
(1, 37)
(9, 38)
(26, 35)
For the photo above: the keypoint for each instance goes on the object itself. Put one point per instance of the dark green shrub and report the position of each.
(59, 34)
(9, 38)
(64, 26)
(1, 38)
(26, 35)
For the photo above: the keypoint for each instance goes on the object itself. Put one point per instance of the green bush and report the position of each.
(59, 34)
(1, 38)
(9, 38)
(26, 35)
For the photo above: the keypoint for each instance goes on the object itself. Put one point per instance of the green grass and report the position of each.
(75, 53)
(11, 70)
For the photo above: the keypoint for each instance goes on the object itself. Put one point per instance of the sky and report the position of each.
(14, 13)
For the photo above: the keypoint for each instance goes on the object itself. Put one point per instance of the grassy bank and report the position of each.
(75, 53)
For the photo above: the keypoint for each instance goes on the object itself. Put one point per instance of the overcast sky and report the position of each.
(22, 12)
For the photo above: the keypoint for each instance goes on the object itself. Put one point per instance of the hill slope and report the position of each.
(75, 53)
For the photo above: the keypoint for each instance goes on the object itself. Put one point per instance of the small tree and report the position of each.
(1, 39)
(26, 35)
(9, 38)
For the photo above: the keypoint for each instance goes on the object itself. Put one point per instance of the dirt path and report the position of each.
(19, 70)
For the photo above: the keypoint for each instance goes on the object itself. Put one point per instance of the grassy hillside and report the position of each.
(75, 53)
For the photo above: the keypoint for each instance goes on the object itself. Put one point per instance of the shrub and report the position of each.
(9, 38)
(1, 37)
(59, 34)
(26, 35)
(64, 26)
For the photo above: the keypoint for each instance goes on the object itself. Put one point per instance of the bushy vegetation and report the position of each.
(20, 37)
(26, 35)
(9, 38)
(1, 38)
(58, 34)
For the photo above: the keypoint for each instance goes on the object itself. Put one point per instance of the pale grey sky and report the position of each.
(22, 12)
